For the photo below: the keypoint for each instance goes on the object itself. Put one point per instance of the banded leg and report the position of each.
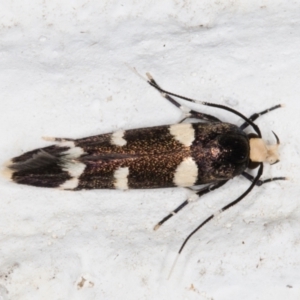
(224, 208)
(188, 112)
(248, 121)
(261, 182)
(199, 193)
(257, 115)
(232, 203)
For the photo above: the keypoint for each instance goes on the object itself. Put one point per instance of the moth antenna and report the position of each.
(134, 70)
(173, 265)
(254, 126)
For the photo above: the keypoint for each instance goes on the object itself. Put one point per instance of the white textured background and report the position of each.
(63, 74)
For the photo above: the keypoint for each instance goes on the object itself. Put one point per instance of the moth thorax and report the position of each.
(261, 152)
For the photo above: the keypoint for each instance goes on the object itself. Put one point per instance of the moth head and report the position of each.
(261, 152)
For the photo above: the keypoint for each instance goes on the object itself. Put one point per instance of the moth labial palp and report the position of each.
(207, 152)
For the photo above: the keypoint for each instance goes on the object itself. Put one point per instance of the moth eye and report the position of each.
(235, 147)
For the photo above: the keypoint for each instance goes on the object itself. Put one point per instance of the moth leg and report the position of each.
(257, 115)
(261, 182)
(199, 193)
(189, 113)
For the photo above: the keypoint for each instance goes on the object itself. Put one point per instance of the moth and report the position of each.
(201, 155)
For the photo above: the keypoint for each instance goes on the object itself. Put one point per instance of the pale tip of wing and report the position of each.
(6, 172)
(70, 184)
